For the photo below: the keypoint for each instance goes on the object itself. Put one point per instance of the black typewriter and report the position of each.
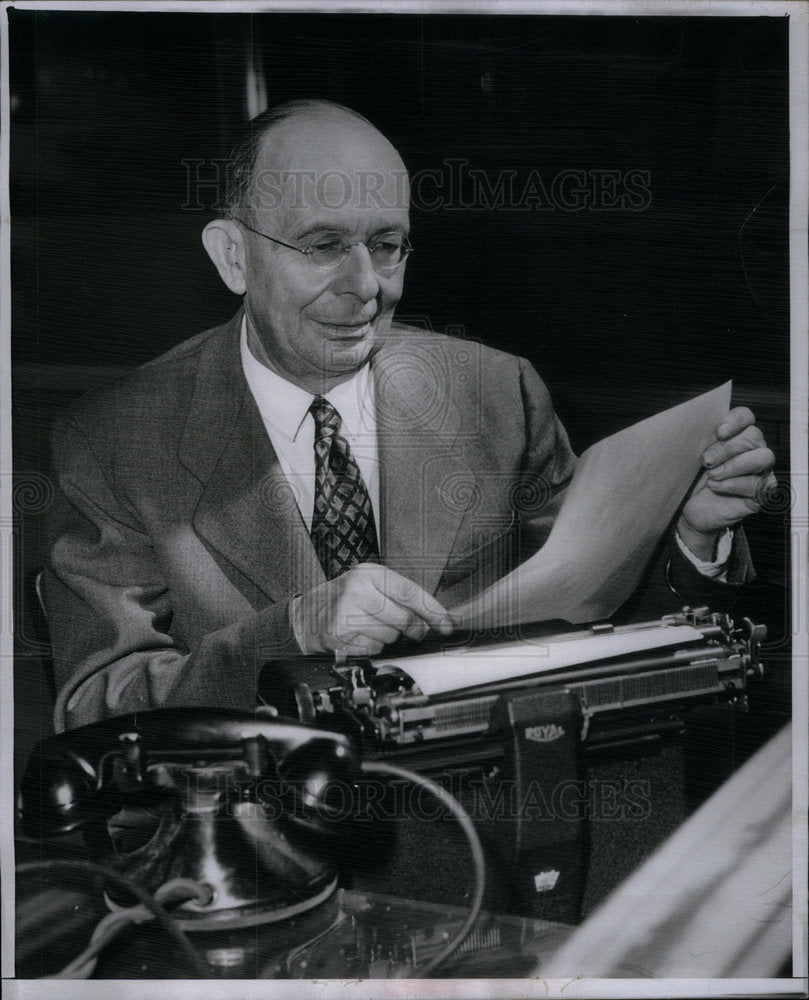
(536, 733)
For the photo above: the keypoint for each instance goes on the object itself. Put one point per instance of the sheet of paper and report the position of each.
(623, 495)
(440, 673)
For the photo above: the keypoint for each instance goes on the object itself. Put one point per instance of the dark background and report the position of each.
(623, 312)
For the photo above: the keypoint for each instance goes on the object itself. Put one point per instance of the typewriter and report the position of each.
(513, 728)
(619, 681)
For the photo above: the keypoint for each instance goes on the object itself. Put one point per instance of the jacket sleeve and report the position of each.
(109, 610)
(547, 464)
(672, 582)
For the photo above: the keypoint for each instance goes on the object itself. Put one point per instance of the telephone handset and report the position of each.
(67, 774)
(243, 802)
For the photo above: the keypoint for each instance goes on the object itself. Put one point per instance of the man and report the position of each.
(312, 477)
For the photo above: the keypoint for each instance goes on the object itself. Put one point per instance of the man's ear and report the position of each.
(223, 240)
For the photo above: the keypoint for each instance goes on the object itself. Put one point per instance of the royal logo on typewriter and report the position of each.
(544, 734)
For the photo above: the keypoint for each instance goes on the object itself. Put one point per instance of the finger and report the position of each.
(414, 628)
(743, 487)
(409, 623)
(758, 462)
(361, 646)
(405, 621)
(378, 632)
(757, 488)
(393, 599)
(736, 509)
(720, 451)
(359, 628)
(417, 631)
(385, 610)
(370, 600)
(355, 622)
(410, 596)
(734, 421)
(766, 488)
(365, 608)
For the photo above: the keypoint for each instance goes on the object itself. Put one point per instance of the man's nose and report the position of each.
(357, 275)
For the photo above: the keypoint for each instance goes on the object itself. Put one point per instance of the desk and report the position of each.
(354, 934)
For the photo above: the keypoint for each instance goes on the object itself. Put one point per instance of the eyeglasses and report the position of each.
(387, 251)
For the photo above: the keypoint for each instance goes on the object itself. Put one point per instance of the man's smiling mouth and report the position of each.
(348, 331)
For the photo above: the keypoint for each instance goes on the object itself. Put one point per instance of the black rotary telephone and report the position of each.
(244, 803)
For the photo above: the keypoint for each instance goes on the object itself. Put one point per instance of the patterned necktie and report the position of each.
(343, 529)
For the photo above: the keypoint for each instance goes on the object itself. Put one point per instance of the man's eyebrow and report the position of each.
(322, 227)
(329, 227)
(404, 230)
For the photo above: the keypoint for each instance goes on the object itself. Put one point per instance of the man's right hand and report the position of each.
(363, 610)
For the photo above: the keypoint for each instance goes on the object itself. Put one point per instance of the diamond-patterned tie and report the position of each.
(343, 528)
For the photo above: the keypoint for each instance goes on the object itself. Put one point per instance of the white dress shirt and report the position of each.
(284, 409)
(718, 569)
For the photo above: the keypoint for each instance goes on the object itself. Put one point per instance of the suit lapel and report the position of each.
(425, 486)
(247, 510)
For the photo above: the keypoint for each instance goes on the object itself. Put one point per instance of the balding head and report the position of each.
(313, 149)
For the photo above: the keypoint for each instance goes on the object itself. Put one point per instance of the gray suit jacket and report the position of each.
(176, 543)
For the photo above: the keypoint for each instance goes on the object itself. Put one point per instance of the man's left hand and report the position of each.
(737, 477)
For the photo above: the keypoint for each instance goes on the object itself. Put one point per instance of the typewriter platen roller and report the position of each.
(620, 677)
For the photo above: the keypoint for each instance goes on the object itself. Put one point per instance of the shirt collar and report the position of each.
(285, 406)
